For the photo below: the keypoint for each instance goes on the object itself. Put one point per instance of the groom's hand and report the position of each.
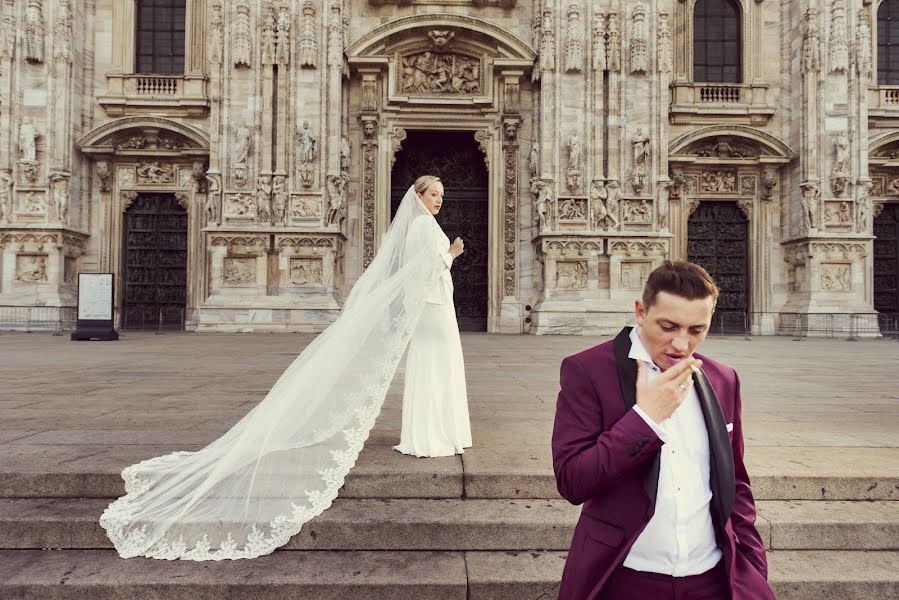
(660, 396)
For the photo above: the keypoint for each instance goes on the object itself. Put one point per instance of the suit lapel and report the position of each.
(627, 376)
(721, 458)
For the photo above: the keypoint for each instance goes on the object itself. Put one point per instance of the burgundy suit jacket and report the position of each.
(607, 458)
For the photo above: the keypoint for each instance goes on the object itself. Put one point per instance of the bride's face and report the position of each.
(432, 197)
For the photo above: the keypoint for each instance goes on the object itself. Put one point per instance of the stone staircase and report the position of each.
(469, 528)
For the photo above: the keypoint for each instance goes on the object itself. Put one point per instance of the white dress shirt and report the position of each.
(680, 538)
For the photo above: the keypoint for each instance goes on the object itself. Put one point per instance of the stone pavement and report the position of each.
(822, 434)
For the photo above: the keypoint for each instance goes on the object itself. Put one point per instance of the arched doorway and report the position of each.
(886, 266)
(454, 157)
(717, 239)
(154, 263)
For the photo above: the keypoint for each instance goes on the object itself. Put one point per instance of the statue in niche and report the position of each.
(863, 205)
(279, 198)
(6, 182)
(28, 135)
(598, 195)
(264, 200)
(810, 194)
(336, 204)
(542, 203)
(344, 155)
(59, 184)
(32, 269)
(534, 159)
(213, 198)
(306, 149)
(663, 192)
(241, 143)
(613, 202)
(574, 151)
(34, 31)
(641, 152)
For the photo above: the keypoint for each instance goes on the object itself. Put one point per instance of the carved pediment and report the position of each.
(148, 140)
(431, 72)
(723, 147)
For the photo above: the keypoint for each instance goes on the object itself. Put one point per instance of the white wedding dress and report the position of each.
(435, 403)
(249, 491)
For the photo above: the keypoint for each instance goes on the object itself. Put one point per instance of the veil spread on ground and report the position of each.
(249, 491)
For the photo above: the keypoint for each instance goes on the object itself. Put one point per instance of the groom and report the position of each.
(648, 437)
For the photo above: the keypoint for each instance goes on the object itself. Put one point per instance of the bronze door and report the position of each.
(718, 240)
(886, 268)
(155, 261)
(454, 157)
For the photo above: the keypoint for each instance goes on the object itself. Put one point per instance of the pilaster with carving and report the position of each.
(369, 183)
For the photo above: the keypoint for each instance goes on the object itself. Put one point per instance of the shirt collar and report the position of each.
(638, 350)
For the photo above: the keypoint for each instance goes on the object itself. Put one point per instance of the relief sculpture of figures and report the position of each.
(641, 152)
(279, 198)
(574, 163)
(810, 193)
(600, 214)
(613, 202)
(264, 200)
(213, 198)
(6, 182)
(32, 269)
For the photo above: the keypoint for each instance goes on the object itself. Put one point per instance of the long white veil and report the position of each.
(249, 491)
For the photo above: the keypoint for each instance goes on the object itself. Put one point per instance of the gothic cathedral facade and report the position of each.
(234, 163)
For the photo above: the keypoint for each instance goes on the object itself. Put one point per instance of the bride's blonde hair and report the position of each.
(424, 182)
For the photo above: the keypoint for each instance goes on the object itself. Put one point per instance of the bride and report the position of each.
(249, 491)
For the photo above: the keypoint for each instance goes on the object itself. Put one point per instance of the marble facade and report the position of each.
(279, 139)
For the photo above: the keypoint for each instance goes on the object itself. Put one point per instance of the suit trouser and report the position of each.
(628, 584)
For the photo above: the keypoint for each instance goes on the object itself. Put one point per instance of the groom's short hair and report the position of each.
(681, 278)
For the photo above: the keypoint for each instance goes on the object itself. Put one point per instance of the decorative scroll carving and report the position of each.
(482, 137)
(432, 73)
(747, 184)
(574, 41)
(745, 206)
(839, 42)
(104, 175)
(639, 54)
(510, 211)
(664, 44)
(243, 37)
(308, 46)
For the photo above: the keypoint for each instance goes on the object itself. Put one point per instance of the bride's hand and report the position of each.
(457, 247)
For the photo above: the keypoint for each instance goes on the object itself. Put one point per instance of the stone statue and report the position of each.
(542, 203)
(6, 182)
(574, 151)
(279, 198)
(344, 155)
(641, 152)
(613, 202)
(810, 193)
(28, 135)
(306, 142)
(534, 159)
(213, 198)
(241, 143)
(60, 187)
(663, 192)
(264, 199)
(336, 206)
(104, 174)
(863, 205)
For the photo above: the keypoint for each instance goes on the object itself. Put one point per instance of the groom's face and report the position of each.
(673, 327)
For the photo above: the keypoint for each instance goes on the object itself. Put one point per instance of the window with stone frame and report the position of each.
(888, 43)
(717, 42)
(160, 31)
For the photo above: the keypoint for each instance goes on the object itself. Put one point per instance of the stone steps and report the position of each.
(92, 470)
(394, 575)
(462, 525)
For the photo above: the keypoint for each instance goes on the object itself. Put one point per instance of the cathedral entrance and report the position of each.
(886, 267)
(155, 263)
(454, 157)
(717, 239)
